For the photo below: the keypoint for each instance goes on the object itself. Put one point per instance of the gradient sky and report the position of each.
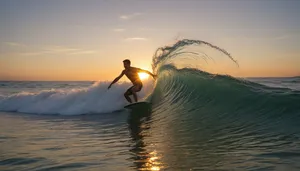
(88, 39)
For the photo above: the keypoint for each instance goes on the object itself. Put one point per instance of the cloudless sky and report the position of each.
(88, 39)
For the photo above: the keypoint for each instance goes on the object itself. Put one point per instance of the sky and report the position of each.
(89, 39)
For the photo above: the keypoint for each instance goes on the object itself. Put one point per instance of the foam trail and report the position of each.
(94, 99)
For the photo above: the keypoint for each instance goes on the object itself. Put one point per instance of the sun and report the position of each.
(143, 76)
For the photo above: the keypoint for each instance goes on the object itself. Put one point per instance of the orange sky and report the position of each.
(88, 41)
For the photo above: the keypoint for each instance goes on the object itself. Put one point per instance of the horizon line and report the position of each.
(108, 80)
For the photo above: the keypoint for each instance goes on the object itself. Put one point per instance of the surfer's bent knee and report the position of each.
(128, 92)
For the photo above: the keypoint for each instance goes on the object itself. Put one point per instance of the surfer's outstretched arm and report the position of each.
(116, 79)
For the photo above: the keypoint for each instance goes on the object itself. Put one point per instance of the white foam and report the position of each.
(94, 99)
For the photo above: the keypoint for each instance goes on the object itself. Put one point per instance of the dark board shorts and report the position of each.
(138, 86)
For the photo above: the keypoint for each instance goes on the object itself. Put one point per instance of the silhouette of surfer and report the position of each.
(132, 75)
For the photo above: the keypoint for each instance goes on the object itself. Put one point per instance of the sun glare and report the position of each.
(143, 76)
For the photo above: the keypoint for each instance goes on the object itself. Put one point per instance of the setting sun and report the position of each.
(143, 76)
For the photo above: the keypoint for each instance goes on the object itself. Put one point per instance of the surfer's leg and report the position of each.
(135, 89)
(127, 94)
(134, 96)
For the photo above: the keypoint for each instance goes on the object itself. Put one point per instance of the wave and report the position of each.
(179, 85)
(194, 89)
(199, 93)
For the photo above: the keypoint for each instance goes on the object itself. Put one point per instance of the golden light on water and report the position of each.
(155, 168)
(153, 162)
(143, 76)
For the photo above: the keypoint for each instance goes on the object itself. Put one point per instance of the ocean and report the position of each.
(198, 121)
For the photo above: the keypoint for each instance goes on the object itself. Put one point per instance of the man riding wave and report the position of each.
(132, 74)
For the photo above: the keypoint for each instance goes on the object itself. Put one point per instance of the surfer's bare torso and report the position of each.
(132, 74)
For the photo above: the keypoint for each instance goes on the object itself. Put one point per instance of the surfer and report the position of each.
(132, 75)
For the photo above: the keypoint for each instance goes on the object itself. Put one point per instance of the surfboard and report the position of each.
(138, 105)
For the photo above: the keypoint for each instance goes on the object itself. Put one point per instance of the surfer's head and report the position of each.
(126, 63)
